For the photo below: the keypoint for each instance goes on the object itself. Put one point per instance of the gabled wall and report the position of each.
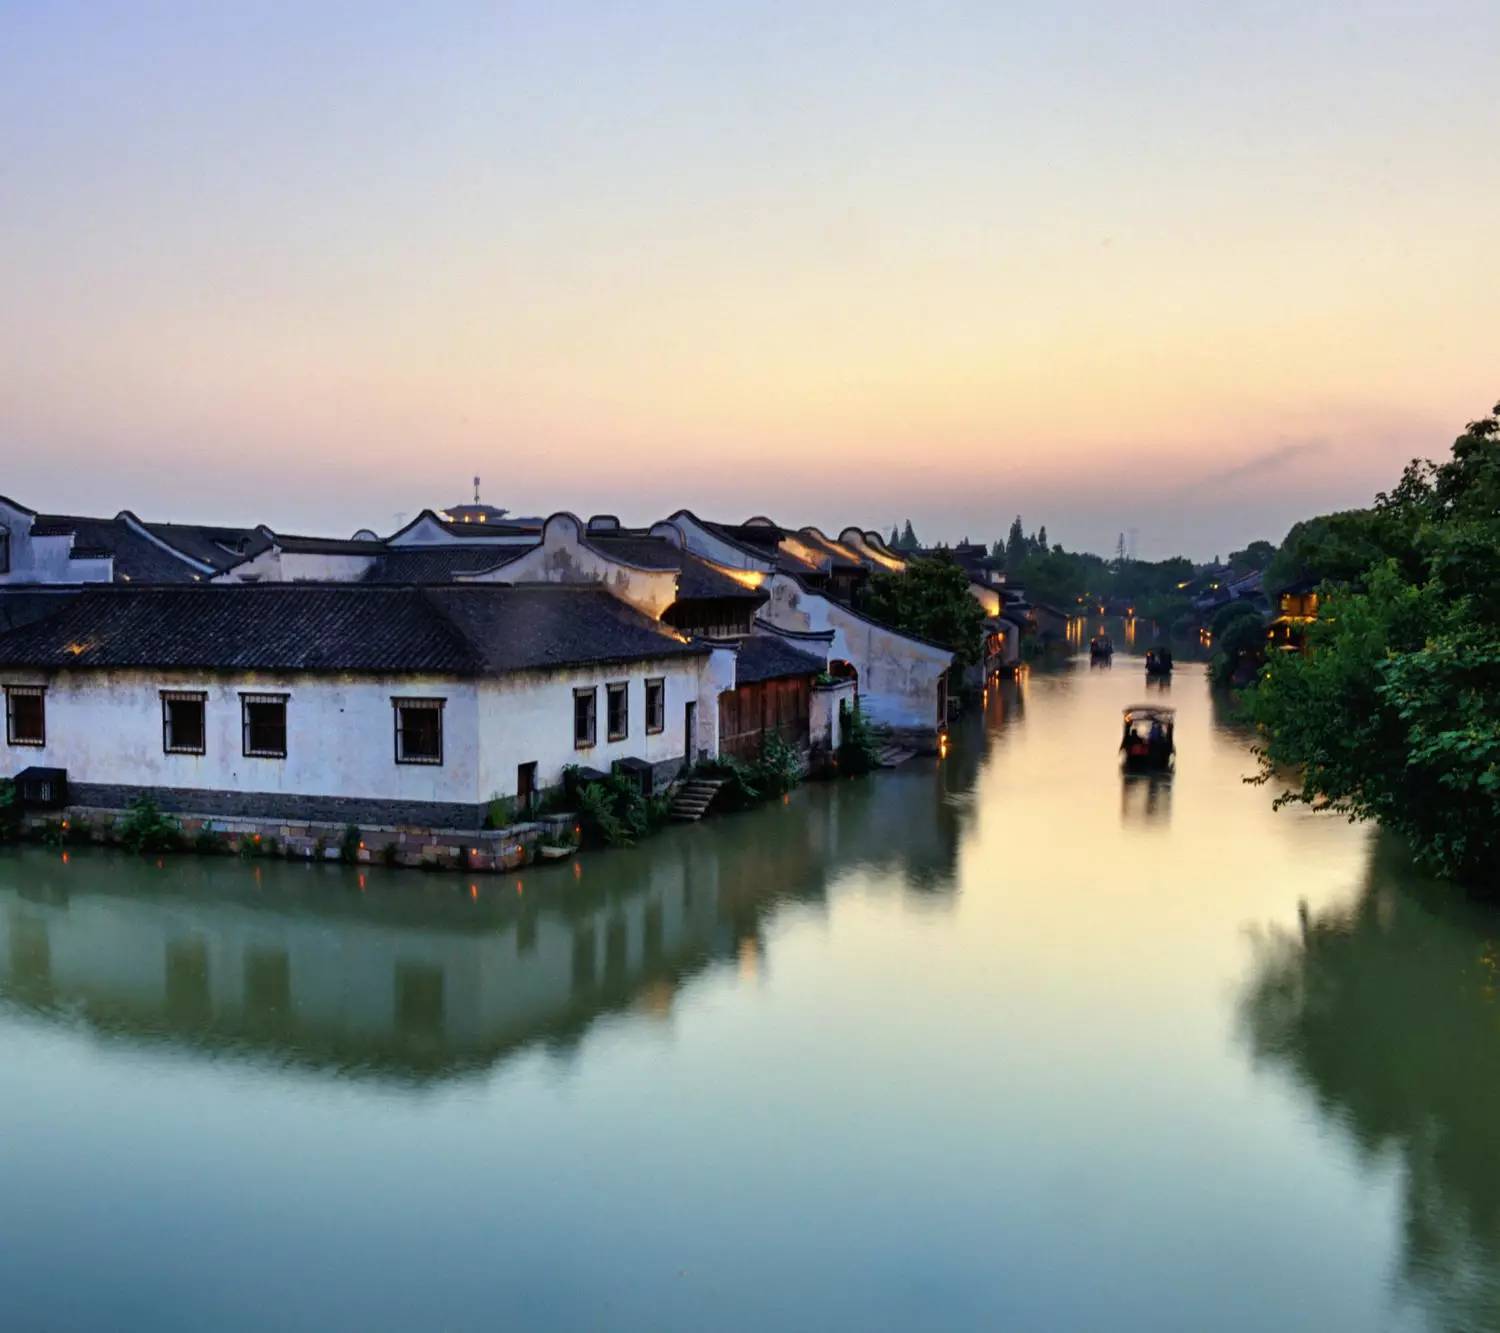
(425, 530)
(564, 556)
(46, 559)
(899, 677)
(701, 541)
(873, 549)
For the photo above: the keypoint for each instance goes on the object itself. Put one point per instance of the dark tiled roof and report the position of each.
(329, 545)
(765, 657)
(698, 579)
(137, 558)
(544, 625)
(437, 564)
(460, 630)
(214, 545)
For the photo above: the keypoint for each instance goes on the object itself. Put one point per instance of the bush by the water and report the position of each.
(860, 752)
(10, 809)
(616, 813)
(146, 829)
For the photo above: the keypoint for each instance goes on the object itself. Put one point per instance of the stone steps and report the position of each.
(891, 755)
(691, 800)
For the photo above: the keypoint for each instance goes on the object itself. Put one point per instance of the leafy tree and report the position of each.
(1015, 545)
(1392, 712)
(1039, 542)
(931, 600)
(1255, 556)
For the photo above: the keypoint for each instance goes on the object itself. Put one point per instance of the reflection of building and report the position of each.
(361, 974)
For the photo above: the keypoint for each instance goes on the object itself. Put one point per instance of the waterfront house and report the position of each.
(351, 702)
(901, 680)
(1296, 609)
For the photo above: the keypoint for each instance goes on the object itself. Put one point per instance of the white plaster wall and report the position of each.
(106, 727)
(564, 557)
(824, 718)
(46, 559)
(703, 542)
(528, 718)
(278, 566)
(898, 676)
(988, 598)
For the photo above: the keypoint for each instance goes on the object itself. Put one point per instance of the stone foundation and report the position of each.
(201, 802)
(412, 845)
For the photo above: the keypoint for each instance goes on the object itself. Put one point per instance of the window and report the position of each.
(182, 729)
(25, 715)
(4, 549)
(619, 710)
(583, 718)
(419, 730)
(263, 725)
(656, 705)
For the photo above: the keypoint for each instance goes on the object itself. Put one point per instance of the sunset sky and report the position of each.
(1190, 269)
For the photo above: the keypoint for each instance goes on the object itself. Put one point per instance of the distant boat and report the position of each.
(1159, 662)
(1101, 648)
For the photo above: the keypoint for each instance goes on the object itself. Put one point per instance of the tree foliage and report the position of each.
(1392, 712)
(931, 600)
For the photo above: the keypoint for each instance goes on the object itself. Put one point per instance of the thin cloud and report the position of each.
(1259, 465)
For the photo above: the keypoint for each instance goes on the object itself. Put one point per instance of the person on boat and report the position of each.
(1156, 739)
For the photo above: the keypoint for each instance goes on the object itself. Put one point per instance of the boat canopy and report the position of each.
(1149, 713)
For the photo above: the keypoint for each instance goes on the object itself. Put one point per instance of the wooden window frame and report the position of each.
(29, 692)
(169, 697)
(591, 693)
(398, 702)
(659, 684)
(249, 697)
(617, 689)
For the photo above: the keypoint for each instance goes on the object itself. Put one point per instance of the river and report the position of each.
(1001, 1041)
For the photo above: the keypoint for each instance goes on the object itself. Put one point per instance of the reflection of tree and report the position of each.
(1387, 1013)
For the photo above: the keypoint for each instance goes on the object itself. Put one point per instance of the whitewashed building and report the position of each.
(354, 703)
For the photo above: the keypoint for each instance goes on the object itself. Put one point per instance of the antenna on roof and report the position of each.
(476, 490)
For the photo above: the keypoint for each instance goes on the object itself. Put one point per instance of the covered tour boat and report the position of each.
(1147, 744)
(1159, 662)
(1101, 648)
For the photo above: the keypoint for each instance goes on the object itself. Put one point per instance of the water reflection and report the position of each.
(1386, 1013)
(1145, 798)
(387, 974)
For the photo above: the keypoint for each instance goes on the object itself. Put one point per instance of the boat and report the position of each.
(1101, 648)
(1148, 745)
(1159, 662)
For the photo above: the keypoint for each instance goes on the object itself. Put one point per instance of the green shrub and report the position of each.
(206, 843)
(389, 854)
(349, 847)
(779, 768)
(10, 810)
(616, 813)
(859, 752)
(146, 829)
(501, 812)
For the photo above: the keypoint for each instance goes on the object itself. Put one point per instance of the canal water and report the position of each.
(1002, 1041)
